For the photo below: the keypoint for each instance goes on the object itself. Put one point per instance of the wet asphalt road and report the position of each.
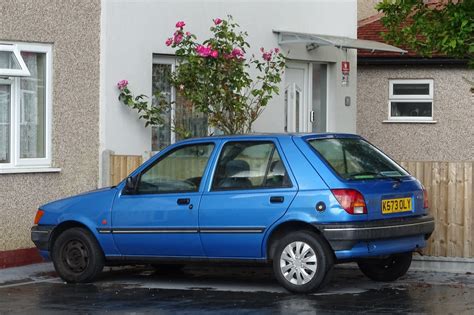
(232, 290)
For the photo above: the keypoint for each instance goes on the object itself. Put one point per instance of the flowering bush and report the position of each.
(153, 115)
(214, 76)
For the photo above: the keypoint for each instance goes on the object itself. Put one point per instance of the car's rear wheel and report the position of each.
(77, 256)
(302, 261)
(386, 269)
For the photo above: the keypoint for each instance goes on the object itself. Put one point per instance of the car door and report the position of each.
(159, 217)
(250, 189)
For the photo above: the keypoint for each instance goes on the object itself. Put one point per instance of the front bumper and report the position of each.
(41, 235)
(343, 236)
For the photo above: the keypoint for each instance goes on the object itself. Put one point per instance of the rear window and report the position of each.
(354, 158)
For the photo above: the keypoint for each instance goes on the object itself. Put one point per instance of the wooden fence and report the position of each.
(450, 190)
(122, 165)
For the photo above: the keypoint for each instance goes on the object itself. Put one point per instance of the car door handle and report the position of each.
(277, 199)
(183, 201)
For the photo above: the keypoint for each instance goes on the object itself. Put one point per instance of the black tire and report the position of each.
(77, 256)
(323, 266)
(386, 269)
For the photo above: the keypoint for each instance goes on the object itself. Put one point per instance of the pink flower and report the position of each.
(277, 50)
(203, 51)
(178, 37)
(267, 56)
(122, 84)
(237, 53)
(188, 34)
(206, 51)
(180, 24)
(262, 50)
(217, 21)
(169, 41)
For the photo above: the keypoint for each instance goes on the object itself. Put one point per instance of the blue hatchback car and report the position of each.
(303, 202)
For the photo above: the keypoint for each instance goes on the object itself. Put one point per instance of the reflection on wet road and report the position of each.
(237, 290)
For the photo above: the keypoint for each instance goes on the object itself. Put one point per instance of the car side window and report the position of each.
(250, 165)
(180, 170)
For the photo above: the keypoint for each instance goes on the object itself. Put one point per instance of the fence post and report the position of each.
(106, 168)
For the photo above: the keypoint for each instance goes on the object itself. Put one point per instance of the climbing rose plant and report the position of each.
(215, 76)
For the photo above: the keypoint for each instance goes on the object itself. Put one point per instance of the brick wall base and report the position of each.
(19, 257)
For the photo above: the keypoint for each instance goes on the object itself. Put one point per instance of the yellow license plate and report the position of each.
(396, 205)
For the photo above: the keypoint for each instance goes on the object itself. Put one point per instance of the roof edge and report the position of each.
(370, 19)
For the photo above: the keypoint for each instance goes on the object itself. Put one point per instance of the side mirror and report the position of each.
(130, 185)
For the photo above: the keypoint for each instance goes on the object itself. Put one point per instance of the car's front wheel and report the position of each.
(386, 269)
(302, 262)
(77, 256)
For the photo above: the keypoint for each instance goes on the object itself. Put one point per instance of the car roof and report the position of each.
(277, 135)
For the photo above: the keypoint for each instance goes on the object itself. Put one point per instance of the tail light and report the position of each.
(350, 200)
(425, 199)
(39, 215)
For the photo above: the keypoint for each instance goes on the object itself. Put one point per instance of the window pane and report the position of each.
(411, 109)
(179, 171)
(5, 107)
(411, 89)
(33, 107)
(245, 165)
(188, 122)
(161, 135)
(356, 159)
(319, 97)
(277, 175)
(8, 60)
(297, 110)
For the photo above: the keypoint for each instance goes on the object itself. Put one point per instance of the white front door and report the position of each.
(296, 97)
(305, 97)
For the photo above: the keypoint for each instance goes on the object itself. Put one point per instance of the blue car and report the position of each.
(303, 202)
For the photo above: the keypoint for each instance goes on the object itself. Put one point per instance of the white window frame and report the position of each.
(410, 99)
(23, 71)
(25, 165)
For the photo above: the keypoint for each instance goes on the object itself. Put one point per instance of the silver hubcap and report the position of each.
(298, 263)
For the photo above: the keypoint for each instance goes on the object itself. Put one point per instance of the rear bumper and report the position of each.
(344, 236)
(41, 235)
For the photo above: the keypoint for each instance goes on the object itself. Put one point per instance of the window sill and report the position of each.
(408, 121)
(24, 170)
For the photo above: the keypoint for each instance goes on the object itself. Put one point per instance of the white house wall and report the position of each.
(132, 31)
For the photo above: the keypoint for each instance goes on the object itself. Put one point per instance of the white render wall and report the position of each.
(134, 30)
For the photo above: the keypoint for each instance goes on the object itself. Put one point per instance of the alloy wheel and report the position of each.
(298, 263)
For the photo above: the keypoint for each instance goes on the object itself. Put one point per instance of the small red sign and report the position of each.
(346, 68)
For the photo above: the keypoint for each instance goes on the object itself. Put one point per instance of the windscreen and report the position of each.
(356, 159)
